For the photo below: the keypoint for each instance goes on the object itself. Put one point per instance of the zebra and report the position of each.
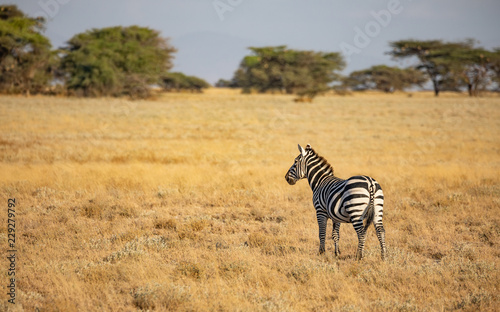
(358, 200)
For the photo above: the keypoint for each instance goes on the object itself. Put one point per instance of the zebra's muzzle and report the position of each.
(290, 180)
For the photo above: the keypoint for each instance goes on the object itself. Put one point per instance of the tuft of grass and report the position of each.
(190, 269)
(169, 224)
(233, 269)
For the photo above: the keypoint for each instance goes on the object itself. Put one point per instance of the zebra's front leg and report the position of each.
(361, 231)
(322, 230)
(336, 238)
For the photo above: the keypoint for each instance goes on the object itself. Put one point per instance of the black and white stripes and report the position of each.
(358, 200)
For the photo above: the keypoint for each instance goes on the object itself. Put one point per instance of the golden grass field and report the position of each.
(180, 203)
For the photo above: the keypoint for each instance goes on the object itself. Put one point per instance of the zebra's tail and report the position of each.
(370, 211)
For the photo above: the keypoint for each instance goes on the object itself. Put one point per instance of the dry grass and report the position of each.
(181, 203)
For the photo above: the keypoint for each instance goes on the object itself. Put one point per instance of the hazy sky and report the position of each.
(212, 35)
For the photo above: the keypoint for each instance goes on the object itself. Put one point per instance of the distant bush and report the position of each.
(384, 78)
(223, 83)
(179, 81)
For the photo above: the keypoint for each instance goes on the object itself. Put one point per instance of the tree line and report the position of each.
(128, 61)
(113, 61)
(449, 66)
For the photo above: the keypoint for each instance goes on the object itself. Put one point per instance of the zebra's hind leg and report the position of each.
(381, 238)
(336, 237)
(361, 231)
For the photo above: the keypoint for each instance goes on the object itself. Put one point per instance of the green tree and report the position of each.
(179, 81)
(495, 66)
(115, 61)
(262, 70)
(434, 58)
(384, 78)
(473, 68)
(25, 56)
(305, 73)
(310, 73)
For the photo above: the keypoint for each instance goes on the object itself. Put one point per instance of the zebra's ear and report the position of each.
(302, 151)
(308, 147)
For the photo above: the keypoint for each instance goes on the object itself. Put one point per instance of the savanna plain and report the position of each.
(180, 203)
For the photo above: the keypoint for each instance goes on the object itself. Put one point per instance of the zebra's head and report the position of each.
(298, 170)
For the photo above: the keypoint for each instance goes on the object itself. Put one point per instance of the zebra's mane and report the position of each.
(321, 159)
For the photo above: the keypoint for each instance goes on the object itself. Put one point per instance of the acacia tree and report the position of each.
(305, 73)
(25, 56)
(115, 61)
(434, 58)
(262, 70)
(495, 66)
(384, 78)
(311, 73)
(473, 67)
